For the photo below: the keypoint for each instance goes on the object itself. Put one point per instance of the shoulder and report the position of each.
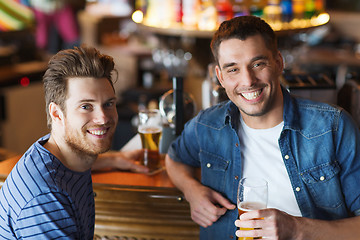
(315, 118)
(32, 175)
(214, 116)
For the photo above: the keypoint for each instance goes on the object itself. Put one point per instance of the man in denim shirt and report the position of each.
(314, 151)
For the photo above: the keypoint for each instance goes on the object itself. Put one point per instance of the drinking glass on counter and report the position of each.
(150, 131)
(252, 195)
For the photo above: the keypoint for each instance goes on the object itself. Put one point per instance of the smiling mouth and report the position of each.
(251, 95)
(98, 132)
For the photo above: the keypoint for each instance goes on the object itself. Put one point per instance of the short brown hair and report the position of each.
(242, 28)
(78, 62)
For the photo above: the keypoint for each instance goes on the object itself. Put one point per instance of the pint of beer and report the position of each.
(252, 195)
(150, 131)
(249, 206)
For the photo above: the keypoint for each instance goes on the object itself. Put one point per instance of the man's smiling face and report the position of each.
(91, 115)
(250, 72)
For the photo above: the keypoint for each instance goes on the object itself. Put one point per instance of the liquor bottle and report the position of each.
(298, 9)
(190, 11)
(207, 16)
(178, 11)
(224, 10)
(287, 11)
(240, 8)
(319, 6)
(257, 7)
(309, 9)
(272, 12)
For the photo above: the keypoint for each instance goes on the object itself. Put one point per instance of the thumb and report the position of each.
(223, 201)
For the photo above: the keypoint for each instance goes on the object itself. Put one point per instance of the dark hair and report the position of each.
(78, 62)
(242, 28)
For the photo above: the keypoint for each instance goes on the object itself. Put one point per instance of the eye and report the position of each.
(109, 104)
(86, 107)
(259, 64)
(232, 70)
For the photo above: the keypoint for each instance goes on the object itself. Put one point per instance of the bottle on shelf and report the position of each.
(319, 6)
(190, 11)
(257, 7)
(287, 10)
(240, 8)
(309, 9)
(273, 11)
(298, 8)
(207, 16)
(224, 10)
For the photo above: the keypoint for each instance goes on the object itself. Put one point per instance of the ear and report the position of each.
(280, 62)
(56, 114)
(219, 75)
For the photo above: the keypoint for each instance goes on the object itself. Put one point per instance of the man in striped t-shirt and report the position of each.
(49, 194)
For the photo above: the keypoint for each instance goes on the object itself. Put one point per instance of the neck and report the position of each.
(74, 160)
(270, 119)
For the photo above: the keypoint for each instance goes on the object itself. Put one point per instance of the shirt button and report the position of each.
(236, 144)
(208, 165)
(236, 177)
(287, 157)
(297, 189)
(322, 178)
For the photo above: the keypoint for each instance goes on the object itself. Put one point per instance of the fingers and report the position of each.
(250, 228)
(208, 211)
(265, 223)
(207, 215)
(138, 168)
(218, 198)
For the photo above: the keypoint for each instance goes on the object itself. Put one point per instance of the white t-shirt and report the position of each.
(262, 158)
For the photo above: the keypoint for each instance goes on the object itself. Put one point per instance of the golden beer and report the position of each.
(249, 206)
(150, 139)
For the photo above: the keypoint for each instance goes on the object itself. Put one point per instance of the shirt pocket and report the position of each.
(323, 185)
(213, 170)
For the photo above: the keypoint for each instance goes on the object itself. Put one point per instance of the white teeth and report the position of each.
(98, 132)
(251, 95)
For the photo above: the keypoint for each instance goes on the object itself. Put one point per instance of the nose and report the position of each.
(101, 116)
(247, 78)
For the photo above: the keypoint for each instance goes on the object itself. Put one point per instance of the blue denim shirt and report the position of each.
(320, 145)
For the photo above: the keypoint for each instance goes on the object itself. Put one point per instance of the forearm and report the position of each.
(344, 229)
(103, 161)
(182, 176)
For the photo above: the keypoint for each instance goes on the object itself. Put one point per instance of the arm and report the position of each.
(124, 160)
(206, 205)
(279, 225)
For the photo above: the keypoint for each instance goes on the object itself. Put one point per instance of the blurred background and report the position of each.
(153, 41)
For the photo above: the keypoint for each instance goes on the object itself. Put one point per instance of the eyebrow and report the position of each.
(92, 100)
(231, 64)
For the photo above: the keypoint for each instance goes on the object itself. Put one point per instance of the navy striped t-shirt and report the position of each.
(42, 199)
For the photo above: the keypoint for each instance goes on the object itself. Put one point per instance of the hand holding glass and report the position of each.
(150, 130)
(252, 195)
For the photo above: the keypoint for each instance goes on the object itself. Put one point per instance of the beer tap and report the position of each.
(179, 104)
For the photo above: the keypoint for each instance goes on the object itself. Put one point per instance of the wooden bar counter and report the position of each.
(133, 206)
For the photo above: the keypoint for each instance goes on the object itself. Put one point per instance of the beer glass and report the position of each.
(252, 195)
(150, 131)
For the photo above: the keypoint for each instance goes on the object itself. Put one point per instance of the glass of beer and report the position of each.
(150, 131)
(252, 195)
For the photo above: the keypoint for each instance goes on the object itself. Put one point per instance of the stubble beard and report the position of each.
(78, 143)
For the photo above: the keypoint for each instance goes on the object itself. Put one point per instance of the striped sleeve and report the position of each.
(50, 215)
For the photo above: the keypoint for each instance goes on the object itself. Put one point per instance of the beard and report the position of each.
(77, 140)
